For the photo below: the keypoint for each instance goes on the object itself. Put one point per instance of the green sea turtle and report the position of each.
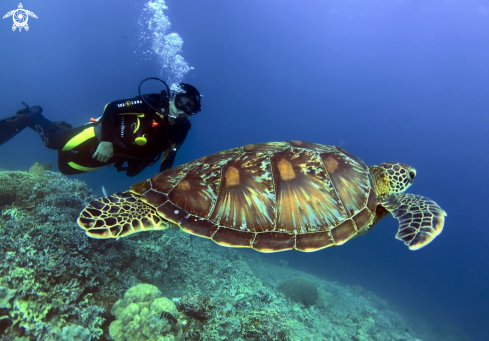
(271, 197)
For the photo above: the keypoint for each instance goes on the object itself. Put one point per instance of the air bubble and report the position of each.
(154, 25)
(176, 211)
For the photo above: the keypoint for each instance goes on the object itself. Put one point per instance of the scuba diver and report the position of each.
(133, 131)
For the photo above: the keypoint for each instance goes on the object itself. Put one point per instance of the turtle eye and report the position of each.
(412, 175)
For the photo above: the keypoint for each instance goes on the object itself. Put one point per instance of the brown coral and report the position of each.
(37, 170)
(300, 289)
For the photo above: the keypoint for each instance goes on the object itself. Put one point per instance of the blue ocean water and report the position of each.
(398, 80)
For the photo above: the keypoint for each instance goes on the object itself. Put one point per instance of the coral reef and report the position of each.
(58, 284)
(47, 280)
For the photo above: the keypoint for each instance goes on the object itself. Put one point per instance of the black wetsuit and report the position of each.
(139, 136)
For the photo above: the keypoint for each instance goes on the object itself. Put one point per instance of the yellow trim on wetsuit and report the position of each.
(81, 168)
(139, 115)
(106, 106)
(137, 126)
(78, 139)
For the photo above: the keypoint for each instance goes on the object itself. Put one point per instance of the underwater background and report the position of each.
(393, 80)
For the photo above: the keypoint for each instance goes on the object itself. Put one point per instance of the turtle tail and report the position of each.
(120, 215)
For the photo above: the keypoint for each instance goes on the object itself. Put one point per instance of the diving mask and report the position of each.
(189, 105)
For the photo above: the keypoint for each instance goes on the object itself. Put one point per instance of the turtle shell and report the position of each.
(268, 196)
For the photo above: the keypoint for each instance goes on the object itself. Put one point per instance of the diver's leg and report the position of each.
(50, 132)
(65, 162)
(79, 159)
(71, 162)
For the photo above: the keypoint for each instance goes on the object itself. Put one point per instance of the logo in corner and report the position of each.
(20, 17)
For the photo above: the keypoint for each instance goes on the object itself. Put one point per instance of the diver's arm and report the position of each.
(109, 121)
(170, 154)
(168, 159)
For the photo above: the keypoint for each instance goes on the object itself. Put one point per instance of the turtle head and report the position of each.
(392, 177)
(399, 176)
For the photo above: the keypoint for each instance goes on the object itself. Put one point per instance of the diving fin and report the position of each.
(11, 126)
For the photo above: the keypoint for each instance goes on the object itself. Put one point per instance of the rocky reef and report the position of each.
(58, 284)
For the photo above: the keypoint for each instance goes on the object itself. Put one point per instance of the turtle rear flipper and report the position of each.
(420, 219)
(119, 215)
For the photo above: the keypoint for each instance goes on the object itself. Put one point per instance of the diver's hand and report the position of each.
(104, 151)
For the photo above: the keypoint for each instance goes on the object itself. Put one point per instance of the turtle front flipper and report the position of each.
(120, 215)
(420, 219)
